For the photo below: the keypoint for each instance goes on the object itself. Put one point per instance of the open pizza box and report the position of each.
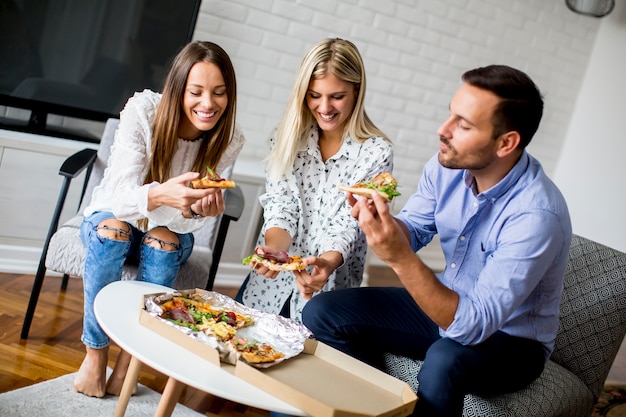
(321, 381)
(324, 382)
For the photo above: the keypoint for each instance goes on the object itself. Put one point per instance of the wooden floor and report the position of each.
(54, 348)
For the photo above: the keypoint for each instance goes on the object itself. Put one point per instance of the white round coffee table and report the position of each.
(117, 308)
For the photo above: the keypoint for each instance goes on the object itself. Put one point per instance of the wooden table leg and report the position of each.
(169, 399)
(130, 381)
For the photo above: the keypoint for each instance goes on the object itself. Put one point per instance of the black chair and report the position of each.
(64, 252)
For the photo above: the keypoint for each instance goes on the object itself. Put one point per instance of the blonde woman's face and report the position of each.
(204, 100)
(331, 102)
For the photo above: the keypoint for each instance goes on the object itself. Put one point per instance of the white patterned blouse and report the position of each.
(309, 206)
(122, 190)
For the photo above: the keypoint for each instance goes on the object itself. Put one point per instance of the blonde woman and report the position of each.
(325, 139)
(143, 212)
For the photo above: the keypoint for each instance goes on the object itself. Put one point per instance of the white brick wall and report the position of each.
(414, 51)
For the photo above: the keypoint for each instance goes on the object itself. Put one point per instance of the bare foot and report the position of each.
(116, 380)
(91, 377)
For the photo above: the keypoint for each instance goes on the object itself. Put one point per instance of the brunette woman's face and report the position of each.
(331, 102)
(204, 100)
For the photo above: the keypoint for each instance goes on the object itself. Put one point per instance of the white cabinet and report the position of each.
(29, 186)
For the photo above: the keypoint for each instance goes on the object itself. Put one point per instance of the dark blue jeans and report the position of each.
(367, 322)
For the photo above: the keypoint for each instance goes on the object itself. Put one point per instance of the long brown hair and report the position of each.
(169, 113)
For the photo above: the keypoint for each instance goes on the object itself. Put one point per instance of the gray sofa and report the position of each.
(591, 329)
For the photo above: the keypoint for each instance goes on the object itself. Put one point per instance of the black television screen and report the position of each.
(85, 58)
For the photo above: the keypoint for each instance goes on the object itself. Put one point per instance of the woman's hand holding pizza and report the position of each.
(211, 205)
(176, 193)
(262, 267)
(323, 266)
(268, 261)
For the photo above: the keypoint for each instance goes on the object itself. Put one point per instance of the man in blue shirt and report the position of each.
(487, 323)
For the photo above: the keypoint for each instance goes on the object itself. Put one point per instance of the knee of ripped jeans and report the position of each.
(159, 243)
(110, 231)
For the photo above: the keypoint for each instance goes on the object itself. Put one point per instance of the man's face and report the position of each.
(466, 137)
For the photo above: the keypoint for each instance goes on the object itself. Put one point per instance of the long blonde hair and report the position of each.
(169, 112)
(329, 56)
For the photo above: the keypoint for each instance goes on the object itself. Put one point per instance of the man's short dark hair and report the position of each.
(521, 104)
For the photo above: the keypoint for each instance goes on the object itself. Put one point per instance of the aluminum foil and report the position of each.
(283, 334)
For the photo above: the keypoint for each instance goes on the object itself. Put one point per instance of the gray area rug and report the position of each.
(56, 398)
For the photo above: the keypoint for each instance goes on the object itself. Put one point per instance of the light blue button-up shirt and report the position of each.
(505, 248)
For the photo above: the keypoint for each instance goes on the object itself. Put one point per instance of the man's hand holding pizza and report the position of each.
(387, 237)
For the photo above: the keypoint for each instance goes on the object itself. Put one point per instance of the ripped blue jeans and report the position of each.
(106, 257)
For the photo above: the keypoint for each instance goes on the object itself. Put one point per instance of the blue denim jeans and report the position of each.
(369, 321)
(105, 259)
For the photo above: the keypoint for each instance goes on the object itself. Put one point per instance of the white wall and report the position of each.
(591, 170)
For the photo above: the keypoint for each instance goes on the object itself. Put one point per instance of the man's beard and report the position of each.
(451, 158)
(448, 160)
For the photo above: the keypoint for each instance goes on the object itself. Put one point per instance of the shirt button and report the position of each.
(462, 238)
(453, 265)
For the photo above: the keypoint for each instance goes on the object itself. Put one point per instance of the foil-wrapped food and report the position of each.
(234, 330)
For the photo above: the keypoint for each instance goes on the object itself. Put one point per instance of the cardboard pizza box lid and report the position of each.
(324, 382)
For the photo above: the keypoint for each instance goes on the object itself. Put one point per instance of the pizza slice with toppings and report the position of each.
(255, 351)
(199, 315)
(384, 184)
(211, 180)
(275, 261)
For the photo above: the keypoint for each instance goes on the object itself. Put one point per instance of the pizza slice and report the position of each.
(255, 351)
(275, 261)
(200, 316)
(384, 183)
(231, 318)
(211, 180)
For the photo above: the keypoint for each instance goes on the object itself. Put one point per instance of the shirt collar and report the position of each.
(349, 147)
(505, 183)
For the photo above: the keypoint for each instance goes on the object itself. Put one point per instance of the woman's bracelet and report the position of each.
(194, 215)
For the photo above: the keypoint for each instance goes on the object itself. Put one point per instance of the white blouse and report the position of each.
(122, 190)
(315, 213)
